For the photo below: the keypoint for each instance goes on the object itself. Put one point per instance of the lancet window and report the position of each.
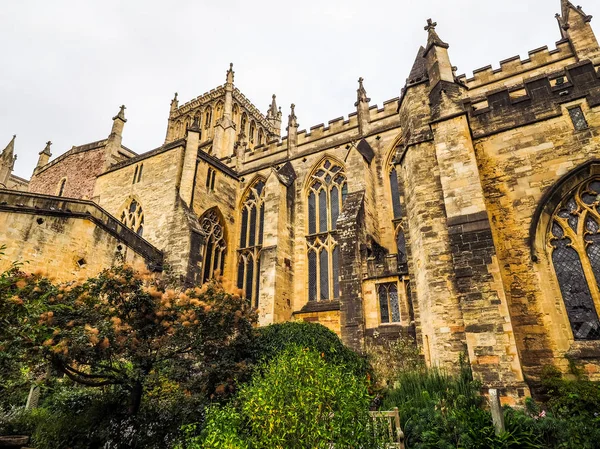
(133, 217)
(396, 206)
(213, 255)
(574, 244)
(251, 240)
(327, 191)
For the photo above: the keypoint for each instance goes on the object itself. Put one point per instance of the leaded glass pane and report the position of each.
(244, 230)
(261, 227)
(259, 187)
(252, 237)
(593, 247)
(578, 118)
(396, 207)
(336, 271)
(240, 274)
(335, 206)
(257, 286)
(208, 260)
(575, 290)
(312, 276)
(344, 192)
(383, 304)
(312, 214)
(249, 276)
(393, 296)
(324, 274)
(595, 186)
(322, 211)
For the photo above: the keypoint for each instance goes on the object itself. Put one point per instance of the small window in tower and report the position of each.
(578, 119)
(139, 178)
(212, 181)
(135, 174)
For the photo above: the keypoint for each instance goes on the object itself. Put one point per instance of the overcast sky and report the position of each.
(68, 65)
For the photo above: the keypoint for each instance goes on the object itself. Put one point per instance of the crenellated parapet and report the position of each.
(339, 131)
(514, 66)
(538, 98)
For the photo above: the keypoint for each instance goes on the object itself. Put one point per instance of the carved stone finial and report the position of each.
(430, 25)
(292, 119)
(361, 93)
(432, 36)
(9, 150)
(230, 74)
(195, 126)
(46, 150)
(121, 114)
(273, 107)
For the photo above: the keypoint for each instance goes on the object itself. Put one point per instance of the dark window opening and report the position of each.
(578, 118)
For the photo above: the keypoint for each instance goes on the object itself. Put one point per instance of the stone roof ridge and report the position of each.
(515, 65)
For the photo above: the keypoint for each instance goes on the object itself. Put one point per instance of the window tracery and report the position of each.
(251, 240)
(327, 191)
(133, 217)
(574, 244)
(213, 256)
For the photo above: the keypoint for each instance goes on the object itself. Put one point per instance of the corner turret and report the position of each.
(224, 138)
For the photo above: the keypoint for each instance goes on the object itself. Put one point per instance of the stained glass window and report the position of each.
(389, 307)
(574, 242)
(133, 217)
(214, 248)
(251, 239)
(327, 190)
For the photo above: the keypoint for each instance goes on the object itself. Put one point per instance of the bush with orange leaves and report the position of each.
(125, 328)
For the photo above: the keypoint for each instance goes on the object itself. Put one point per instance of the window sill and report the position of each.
(581, 350)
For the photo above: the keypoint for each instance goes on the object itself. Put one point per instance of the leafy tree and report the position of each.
(125, 328)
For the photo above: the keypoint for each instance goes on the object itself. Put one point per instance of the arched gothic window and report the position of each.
(243, 123)
(574, 244)
(208, 117)
(252, 132)
(213, 256)
(327, 192)
(389, 307)
(133, 217)
(261, 137)
(396, 206)
(251, 240)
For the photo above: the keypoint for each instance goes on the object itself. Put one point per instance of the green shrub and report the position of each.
(271, 340)
(297, 400)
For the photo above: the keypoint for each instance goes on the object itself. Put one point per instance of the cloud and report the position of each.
(67, 66)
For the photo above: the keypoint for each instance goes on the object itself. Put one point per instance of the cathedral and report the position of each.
(465, 212)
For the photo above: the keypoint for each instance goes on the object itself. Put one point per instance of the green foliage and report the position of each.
(223, 429)
(442, 411)
(274, 339)
(297, 400)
